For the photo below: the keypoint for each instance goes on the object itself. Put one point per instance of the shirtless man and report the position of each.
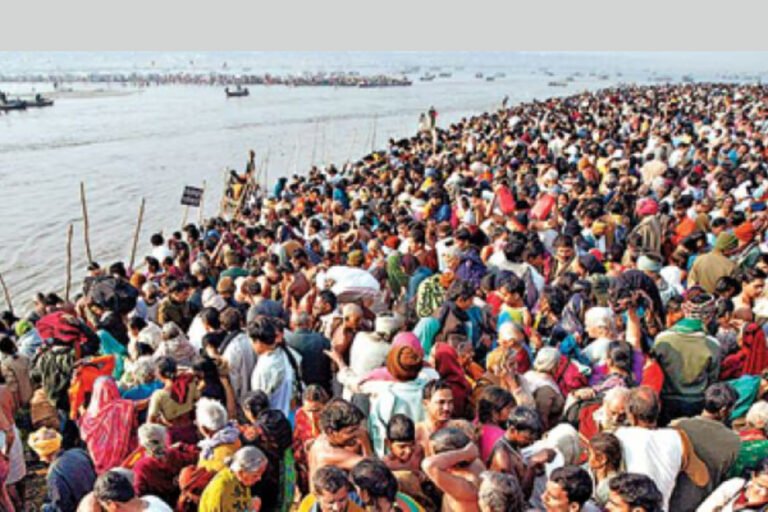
(344, 441)
(455, 469)
(438, 404)
(524, 429)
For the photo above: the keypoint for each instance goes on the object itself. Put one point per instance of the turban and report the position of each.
(45, 442)
(699, 307)
(647, 264)
(599, 227)
(726, 242)
(404, 363)
(22, 327)
(647, 206)
(355, 258)
(546, 360)
(745, 232)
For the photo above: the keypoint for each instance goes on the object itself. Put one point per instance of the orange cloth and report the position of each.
(84, 377)
(682, 230)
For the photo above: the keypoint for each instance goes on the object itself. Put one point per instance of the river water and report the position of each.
(126, 143)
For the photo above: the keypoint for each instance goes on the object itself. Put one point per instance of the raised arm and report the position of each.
(436, 467)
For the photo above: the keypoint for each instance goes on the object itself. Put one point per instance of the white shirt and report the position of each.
(161, 252)
(241, 359)
(274, 376)
(656, 453)
(155, 504)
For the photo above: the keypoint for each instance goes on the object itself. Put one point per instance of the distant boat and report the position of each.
(500, 75)
(13, 105)
(687, 78)
(427, 78)
(478, 75)
(39, 101)
(445, 75)
(557, 84)
(490, 78)
(237, 93)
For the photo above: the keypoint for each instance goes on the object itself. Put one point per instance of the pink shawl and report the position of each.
(403, 339)
(107, 427)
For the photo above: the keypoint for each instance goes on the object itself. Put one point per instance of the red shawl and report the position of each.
(448, 366)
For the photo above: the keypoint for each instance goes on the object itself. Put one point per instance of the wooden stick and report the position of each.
(296, 156)
(68, 286)
(186, 214)
(202, 205)
(6, 293)
(85, 222)
(373, 136)
(314, 144)
(136, 234)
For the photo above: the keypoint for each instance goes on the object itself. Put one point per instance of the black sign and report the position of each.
(191, 196)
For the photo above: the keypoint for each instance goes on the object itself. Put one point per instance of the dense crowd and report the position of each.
(558, 306)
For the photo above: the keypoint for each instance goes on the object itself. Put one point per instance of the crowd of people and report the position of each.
(558, 306)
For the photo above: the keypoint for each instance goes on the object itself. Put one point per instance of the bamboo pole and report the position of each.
(84, 204)
(202, 205)
(186, 214)
(136, 234)
(314, 144)
(68, 286)
(324, 159)
(296, 156)
(6, 293)
(373, 136)
(265, 175)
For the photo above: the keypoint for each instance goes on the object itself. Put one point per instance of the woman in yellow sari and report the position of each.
(230, 489)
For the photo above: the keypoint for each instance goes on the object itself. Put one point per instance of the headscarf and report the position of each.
(426, 330)
(753, 342)
(726, 242)
(396, 275)
(177, 347)
(745, 232)
(403, 339)
(647, 264)
(448, 366)
(565, 439)
(45, 442)
(702, 309)
(404, 363)
(546, 359)
(107, 427)
(226, 435)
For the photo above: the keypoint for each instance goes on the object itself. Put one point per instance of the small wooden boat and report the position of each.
(427, 78)
(445, 75)
(13, 105)
(557, 84)
(237, 93)
(478, 75)
(490, 78)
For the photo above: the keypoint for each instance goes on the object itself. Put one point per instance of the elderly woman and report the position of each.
(600, 325)
(542, 386)
(156, 471)
(176, 345)
(221, 439)
(754, 441)
(230, 489)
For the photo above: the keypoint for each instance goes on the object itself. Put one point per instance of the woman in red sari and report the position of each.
(108, 426)
(448, 366)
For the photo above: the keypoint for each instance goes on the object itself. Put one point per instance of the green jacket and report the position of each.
(689, 359)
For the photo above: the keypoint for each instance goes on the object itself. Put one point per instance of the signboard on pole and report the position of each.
(191, 196)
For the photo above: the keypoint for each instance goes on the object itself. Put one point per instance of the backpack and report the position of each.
(113, 294)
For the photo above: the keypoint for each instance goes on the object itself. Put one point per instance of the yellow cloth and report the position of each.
(309, 501)
(220, 454)
(45, 442)
(225, 493)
